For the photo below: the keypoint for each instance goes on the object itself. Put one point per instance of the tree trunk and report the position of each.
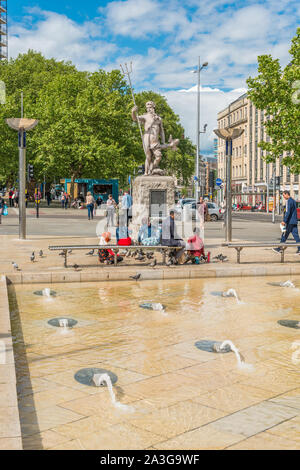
(72, 187)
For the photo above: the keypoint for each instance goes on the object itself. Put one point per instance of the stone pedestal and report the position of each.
(154, 197)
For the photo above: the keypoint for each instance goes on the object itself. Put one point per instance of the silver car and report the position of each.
(214, 211)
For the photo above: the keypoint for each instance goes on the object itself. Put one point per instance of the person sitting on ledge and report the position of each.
(170, 236)
(122, 235)
(106, 256)
(196, 249)
(149, 235)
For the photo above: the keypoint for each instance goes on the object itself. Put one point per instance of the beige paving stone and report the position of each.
(205, 437)
(36, 278)
(100, 404)
(153, 363)
(290, 429)
(47, 398)
(46, 418)
(43, 440)
(163, 383)
(11, 443)
(69, 445)
(65, 276)
(9, 421)
(207, 379)
(177, 419)
(99, 275)
(266, 441)
(8, 395)
(120, 437)
(277, 380)
(291, 399)
(7, 374)
(87, 425)
(255, 419)
(233, 398)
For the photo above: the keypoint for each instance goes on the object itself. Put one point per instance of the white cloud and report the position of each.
(211, 102)
(142, 18)
(58, 36)
(164, 39)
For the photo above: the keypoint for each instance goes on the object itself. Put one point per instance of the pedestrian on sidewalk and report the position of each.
(90, 204)
(48, 197)
(110, 205)
(10, 197)
(290, 221)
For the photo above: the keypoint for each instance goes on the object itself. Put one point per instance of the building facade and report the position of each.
(251, 175)
(3, 30)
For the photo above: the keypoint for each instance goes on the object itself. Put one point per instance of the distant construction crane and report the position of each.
(3, 30)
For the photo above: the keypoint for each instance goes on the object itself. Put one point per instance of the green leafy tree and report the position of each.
(85, 128)
(277, 91)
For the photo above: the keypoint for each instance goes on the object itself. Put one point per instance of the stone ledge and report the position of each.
(122, 273)
(10, 429)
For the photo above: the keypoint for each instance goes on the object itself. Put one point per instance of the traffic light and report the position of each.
(30, 172)
(212, 179)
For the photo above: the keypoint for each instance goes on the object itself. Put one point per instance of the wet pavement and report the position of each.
(180, 397)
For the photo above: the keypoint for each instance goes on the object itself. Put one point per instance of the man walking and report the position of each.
(290, 222)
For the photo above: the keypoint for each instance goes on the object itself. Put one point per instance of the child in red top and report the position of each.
(196, 248)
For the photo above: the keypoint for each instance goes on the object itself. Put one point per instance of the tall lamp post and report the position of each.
(22, 126)
(198, 132)
(228, 135)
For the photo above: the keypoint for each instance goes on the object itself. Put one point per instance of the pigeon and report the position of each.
(149, 256)
(32, 257)
(41, 253)
(140, 258)
(76, 267)
(128, 254)
(136, 277)
(154, 262)
(90, 252)
(69, 251)
(221, 257)
(62, 253)
(16, 267)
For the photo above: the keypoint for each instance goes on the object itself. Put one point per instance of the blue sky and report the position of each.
(163, 39)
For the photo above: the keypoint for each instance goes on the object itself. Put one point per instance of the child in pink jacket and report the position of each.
(196, 248)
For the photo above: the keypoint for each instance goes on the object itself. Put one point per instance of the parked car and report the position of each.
(214, 211)
(184, 201)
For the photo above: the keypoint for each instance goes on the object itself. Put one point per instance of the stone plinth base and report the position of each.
(154, 197)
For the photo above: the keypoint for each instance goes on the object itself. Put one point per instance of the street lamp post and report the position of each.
(22, 126)
(228, 135)
(198, 132)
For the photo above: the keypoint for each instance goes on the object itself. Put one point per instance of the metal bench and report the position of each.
(239, 246)
(164, 250)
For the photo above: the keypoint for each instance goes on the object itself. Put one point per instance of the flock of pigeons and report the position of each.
(138, 255)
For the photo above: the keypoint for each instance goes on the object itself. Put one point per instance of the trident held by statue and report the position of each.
(127, 71)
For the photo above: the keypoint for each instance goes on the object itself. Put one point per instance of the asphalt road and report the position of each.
(55, 222)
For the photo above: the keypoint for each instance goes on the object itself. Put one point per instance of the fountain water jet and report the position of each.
(240, 358)
(46, 292)
(99, 379)
(287, 284)
(231, 293)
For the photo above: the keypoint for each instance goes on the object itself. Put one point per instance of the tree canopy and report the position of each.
(85, 127)
(277, 91)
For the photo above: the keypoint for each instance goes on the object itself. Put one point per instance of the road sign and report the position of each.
(219, 181)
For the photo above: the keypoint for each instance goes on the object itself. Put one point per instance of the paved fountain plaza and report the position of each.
(177, 395)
